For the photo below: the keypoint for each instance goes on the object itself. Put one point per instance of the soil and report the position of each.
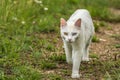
(107, 43)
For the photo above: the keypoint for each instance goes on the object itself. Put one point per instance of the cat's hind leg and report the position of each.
(86, 54)
(86, 51)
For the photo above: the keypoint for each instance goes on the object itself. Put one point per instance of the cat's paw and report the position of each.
(75, 75)
(85, 59)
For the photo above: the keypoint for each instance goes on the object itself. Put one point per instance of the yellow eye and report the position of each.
(65, 33)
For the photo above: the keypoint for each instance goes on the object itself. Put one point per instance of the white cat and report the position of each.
(77, 33)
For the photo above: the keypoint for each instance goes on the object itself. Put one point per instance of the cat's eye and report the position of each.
(65, 33)
(73, 34)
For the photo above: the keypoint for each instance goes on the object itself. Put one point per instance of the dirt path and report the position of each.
(106, 49)
(108, 39)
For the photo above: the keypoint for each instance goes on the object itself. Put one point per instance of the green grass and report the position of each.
(95, 39)
(117, 45)
(23, 53)
(59, 58)
(26, 73)
(98, 24)
(115, 5)
(48, 65)
(93, 55)
(54, 77)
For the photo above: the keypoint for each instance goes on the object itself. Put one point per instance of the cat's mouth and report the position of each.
(70, 41)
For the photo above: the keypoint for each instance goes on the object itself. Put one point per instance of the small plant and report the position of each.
(107, 76)
(95, 39)
(117, 45)
(37, 55)
(109, 27)
(26, 73)
(47, 65)
(102, 24)
(93, 55)
(116, 36)
(50, 47)
(66, 72)
(2, 75)
(54, 77)
(97, 26)
(47, 45)
(59, 58)
(115, 5)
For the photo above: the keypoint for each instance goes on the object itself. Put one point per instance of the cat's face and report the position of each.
(70, 31)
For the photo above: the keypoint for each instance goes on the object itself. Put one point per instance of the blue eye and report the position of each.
(73, 34)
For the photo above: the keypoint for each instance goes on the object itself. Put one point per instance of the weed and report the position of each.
(66, 72)
(93, 55)
(55, 77)
(117, 45)
(109, 27)
(47, 45)
(26, 73)
(96, 26)
(37, 55)
(116, 36)
(59, 58)
(107, 76)
(95, 39)
(102, 24)
(47, 65)
(115, 5)
(112, 67)
(2, 75)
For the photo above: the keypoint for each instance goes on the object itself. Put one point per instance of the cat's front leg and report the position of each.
(77, 57)
(68, 52)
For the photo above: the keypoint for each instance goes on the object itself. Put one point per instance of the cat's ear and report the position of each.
(62, 22)
(78, 23)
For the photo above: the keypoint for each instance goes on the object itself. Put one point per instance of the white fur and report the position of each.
(77, 50)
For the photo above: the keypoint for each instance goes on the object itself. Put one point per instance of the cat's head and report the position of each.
(70, 30)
